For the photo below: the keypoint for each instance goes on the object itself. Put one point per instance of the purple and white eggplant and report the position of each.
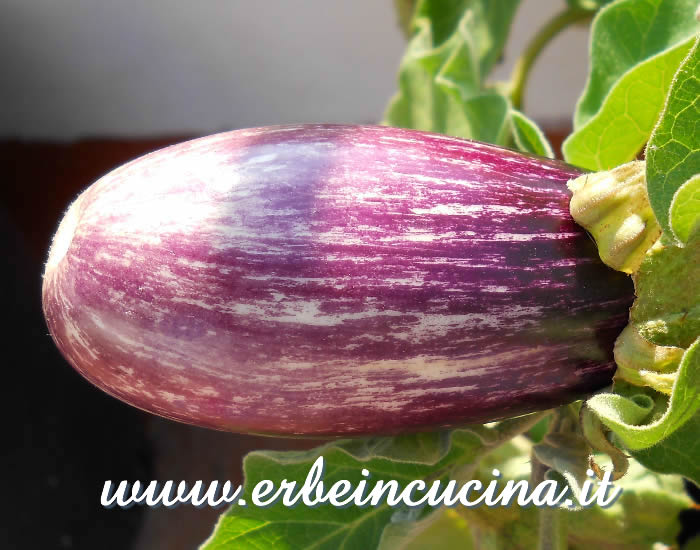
(334, 280)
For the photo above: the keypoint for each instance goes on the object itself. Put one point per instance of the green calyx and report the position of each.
(614, 207)
(654, 407)
(643, 363)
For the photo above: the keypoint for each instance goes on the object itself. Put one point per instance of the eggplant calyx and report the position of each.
(643, 363)
(614, 207)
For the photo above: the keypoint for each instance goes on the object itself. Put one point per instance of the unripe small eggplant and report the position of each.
(333, 280)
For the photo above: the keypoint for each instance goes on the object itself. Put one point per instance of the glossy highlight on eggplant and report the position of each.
(331, 280)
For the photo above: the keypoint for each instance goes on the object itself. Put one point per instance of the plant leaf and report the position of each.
(639, 518)
(528, 136)
(620, 128)
(441, 77)
(677, 454)
(673, 153)
(504, 527)
(325, 526)
(667, 309)
(443, 528)
(404, 15)
(625, 33)
(590, 5)
(645, 513)
(566, 453)
(487, 21)
(685, 209)
(625, 414)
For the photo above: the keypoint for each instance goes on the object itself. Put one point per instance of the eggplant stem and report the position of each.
(553, 531)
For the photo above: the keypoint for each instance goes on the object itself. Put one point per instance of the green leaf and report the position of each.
(673, 153)
(677, 454)
(428, 456)
(589, 5)
(447, 529)
(441, 78)
(566, 453)
(504, 528)
(484, 117)
(451, 528)
(539, 430)
(404, 15)
(597, 436)
(645, 513)
(626, 33)
(487, 21)
(624, 415)
(667, 309)
(685, 209)
(404, 459)
(422, 448)
(528, 136)
(620, 128)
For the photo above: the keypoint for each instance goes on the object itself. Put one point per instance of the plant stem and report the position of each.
(552, 28)
(552, 529)
(552, 521)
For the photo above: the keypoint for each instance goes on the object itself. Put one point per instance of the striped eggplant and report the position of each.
(333, 280)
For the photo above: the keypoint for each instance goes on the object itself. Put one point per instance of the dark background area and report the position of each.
(63, 437)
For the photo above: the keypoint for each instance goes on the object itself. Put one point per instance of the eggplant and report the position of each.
(334, 280)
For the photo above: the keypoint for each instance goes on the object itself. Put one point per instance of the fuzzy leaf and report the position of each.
(685, 209)
(667, 309)
(566, 453)
(644, 514)
(627, 415)
(587, 4)
(677, 454)
(443, 528)
(528, 136)
(404, 15)
(622, 125)
(446, 530)
(638, 518)
(441, 78)
(488, 22)
(626, 33)
(325, 526)
(673, 153)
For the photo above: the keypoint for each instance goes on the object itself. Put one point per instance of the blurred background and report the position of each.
(90, 68)
(88, 85)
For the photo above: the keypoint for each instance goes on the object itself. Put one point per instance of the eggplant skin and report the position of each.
(330, 280)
